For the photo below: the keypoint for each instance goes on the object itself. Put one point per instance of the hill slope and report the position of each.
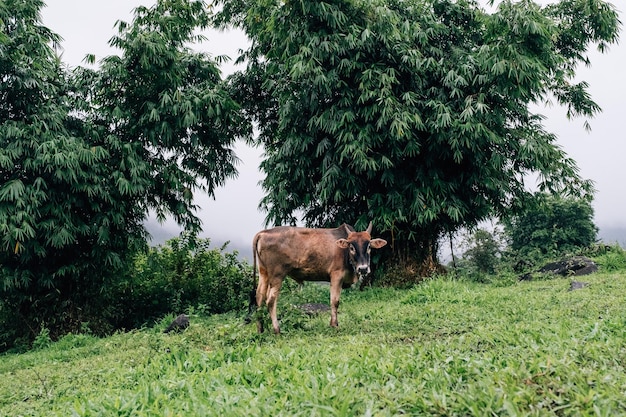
(442, 348)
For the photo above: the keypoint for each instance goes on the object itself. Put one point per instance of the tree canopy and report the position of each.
(85, 154)
(415, 114)
(167, 104)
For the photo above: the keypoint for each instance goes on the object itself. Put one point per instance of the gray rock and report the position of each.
(179, 324)
(314, 308)
(575, 266)
(577, 285)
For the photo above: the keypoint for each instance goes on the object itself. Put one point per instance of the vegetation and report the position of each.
(610, 257)
(183, 275)
(443, 348)
(414, 114)
(551, 226)
(85, 155)
(62, 228)
(484, 254)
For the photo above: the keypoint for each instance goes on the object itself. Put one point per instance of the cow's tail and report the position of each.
(252, 295)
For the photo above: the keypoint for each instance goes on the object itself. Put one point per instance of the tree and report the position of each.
(52, 205)
(484, 251)
(415, 114)
(551, 226)
(85, 155)
(164, 108)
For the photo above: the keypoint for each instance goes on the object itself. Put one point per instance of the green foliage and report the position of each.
(85, 155)
(413, 114)
(467, 349)
(483, 255)
(42, 340)
(162, 108)
(65, 229)
(182, 275)
(551, 226)
(609, 257)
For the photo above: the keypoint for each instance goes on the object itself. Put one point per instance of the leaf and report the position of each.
(12, 191)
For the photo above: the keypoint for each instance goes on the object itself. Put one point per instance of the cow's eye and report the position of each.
(352, 249)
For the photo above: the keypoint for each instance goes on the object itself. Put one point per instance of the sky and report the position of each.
(233, 215)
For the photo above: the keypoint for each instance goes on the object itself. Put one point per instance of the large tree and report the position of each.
(85, 155)
(416, 114)
(167, 104)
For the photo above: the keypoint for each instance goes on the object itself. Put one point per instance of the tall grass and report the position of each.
(442, 348)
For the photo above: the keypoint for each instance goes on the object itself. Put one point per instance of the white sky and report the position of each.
(87, 25)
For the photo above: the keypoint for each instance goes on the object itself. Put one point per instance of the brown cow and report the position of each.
(341, 256)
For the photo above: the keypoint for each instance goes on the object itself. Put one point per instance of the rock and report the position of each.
(526, 277)
(179, 324)
(314, 308)
(575, 266)
(577, 285)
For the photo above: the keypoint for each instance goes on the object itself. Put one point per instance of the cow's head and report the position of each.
(359, 245)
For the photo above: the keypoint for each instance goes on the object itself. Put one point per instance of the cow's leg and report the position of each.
(335, 292)
(261, 295)
(272, 299)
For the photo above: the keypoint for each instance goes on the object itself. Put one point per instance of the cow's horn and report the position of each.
(369, 228)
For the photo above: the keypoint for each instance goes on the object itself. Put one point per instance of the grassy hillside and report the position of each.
(442, 348)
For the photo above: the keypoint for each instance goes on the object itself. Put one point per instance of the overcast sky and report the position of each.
(87, 25)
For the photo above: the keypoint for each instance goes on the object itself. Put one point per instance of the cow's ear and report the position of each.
(377, 243)
(342, 243)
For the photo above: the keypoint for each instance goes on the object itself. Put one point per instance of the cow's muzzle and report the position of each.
(362, 270)
(361, 273)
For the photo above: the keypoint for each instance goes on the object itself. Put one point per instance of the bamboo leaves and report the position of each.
(415, 112)
(85, 154)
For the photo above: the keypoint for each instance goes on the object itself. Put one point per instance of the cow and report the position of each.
(340, 256)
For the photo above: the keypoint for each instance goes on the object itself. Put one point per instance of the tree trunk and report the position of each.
(405, 262)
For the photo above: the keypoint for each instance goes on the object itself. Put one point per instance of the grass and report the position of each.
(442, 348)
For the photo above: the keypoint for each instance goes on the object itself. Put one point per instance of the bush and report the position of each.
(551, 226)
(80, 303)
(483, 256)
(484, 252)
(609, 257)
(183, 274)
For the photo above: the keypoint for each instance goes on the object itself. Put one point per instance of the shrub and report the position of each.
(483, 256)
(181, 275)
(484, 251)
(551, 226)
(609, 257)
(43, 339)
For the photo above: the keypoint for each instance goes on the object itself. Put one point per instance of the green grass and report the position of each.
(442, 348)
